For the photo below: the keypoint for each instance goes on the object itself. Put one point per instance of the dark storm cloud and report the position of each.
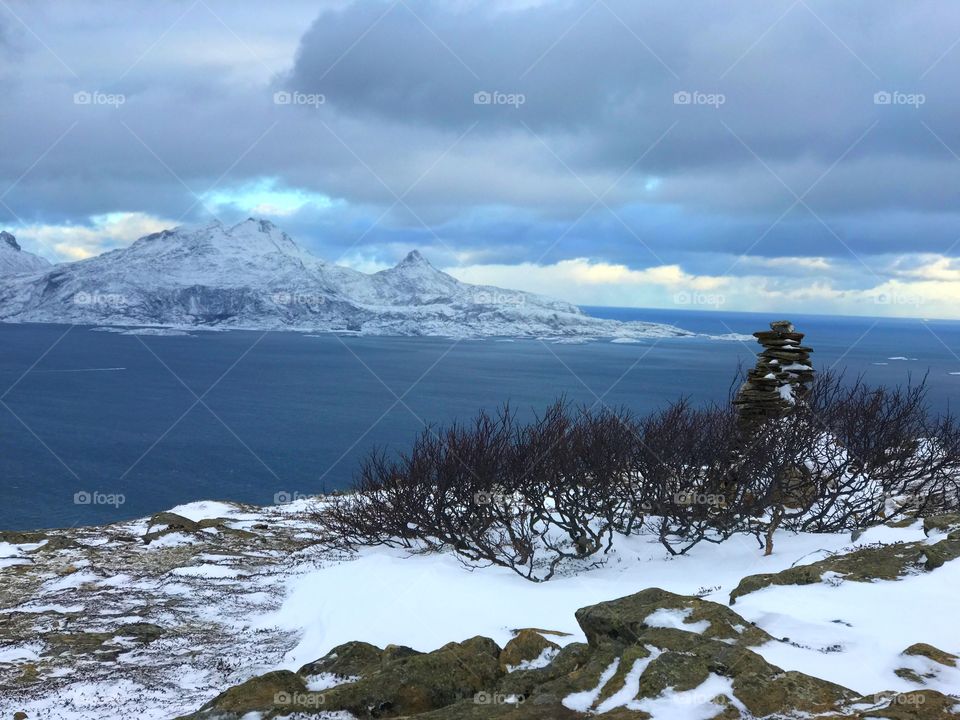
(782, 104)
(797, 81)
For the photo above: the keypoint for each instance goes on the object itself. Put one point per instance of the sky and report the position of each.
(764, 155)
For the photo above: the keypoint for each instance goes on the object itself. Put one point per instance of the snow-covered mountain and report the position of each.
(253, 275)
(14, 260)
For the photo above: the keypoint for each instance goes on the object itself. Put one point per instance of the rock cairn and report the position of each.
(783, 375)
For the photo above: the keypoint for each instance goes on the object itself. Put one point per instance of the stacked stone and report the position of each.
(782, 376)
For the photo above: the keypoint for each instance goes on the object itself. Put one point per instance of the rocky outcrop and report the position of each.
(9, 240)
(781, 377)
(14, 260)
(640, 649)
(526, 649)
(880, 562)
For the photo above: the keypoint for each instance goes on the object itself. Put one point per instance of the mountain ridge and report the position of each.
(253, 275)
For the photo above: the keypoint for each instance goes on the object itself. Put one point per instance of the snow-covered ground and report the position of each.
(280, 602)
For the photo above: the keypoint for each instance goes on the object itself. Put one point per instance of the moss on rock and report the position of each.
(420, 683)
(948, 524)
(932, 653)
(526, 646)
(884, 562)
(624, 620)
(352, 659)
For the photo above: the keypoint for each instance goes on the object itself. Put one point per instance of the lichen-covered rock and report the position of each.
(948, 524)
(932, 653)
(882, 562)
(640, 648)
(913, 705)
(525, 647)
(352, 659)
(624, 620)
(420, 683)
(265, 693)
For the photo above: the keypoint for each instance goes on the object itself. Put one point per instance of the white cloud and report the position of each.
(585, 282)
(65, 243)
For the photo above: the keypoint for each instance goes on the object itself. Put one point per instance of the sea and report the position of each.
(98, 427)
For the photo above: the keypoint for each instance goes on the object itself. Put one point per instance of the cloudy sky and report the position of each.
(790, 155)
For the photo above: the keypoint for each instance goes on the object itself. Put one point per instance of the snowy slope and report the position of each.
(234, 607)
(14, 260)
(254, 276)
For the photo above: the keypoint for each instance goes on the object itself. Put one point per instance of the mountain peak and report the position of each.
(414, 258)
(9, 239)
(264, 226)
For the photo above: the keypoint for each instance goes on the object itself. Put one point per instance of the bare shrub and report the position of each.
(553, 493)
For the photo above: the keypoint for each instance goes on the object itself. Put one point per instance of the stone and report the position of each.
(782, 376)
(932, 653)
(913, 705)
(420, 683)
(9, 240)
(466, 681)
(884, 562)
(623, 620)
(948, 524)
(353, 659)
(142, 632)
(527, 645)
(263, 693)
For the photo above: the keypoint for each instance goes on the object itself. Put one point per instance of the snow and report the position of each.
(208, 571)
(848, 635)
(18, 653)
(156, 332)
(631, 683)
(541, 661)
(583, 701)
(676, 619)
(786, 392)
(695, 704)
(381, 585)
(325, 681)
(302, 605)
(206, 510)
(15, 261)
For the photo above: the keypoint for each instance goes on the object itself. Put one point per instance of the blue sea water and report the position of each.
(247, 416)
